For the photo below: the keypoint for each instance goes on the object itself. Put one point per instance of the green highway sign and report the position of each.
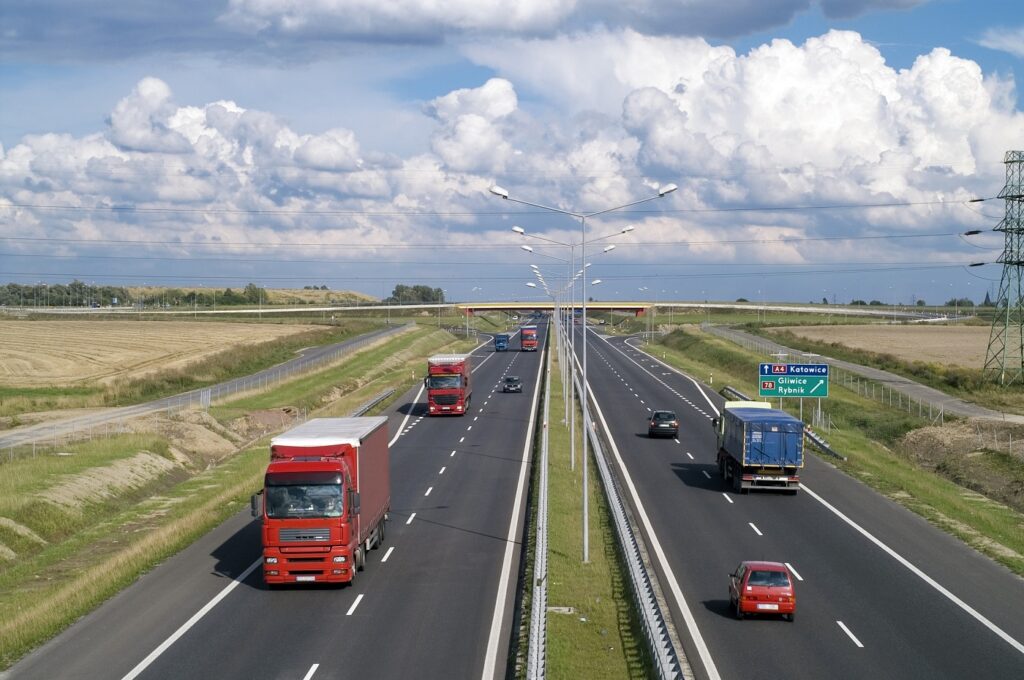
(793, 386)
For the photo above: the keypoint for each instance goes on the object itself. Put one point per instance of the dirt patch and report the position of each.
(984, 456)
(952, 345)
(109, 480)
(260, 423)
(61, 353)
(196, 439)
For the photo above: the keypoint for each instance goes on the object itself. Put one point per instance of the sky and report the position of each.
(822, 149)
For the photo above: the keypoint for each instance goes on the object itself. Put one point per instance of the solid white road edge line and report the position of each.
(387, 554)
(852, 636)
(923, 576)
(406, 419)
(165, 645)
(311, 671)
(700, 388)
(494, 639)
(793, 571)
(691, 623)
(359, 598)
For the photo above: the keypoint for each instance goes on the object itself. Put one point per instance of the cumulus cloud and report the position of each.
(471, 137)
(1009, 40)
(139, 121)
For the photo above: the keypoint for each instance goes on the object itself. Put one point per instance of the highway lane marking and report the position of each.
(706, 474)
(482, 408)
(690, 455)
(184, 628)
(409, 521)
(451, 455)
(691, 623)
(923, 576)
(674, 370)
(462, 439)
(429, 489)
(442, 470)
(677, 442)
(756, 530)
(727, 497)
(852, 636)
(790, 567)
(311, 671)
(387, 554)
(401, 430)
(359, 598)
(475, 418)
(469, 428)
(453, 451)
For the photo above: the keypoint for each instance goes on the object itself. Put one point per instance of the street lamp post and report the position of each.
(582, 217)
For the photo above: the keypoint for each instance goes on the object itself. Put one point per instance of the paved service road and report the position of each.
(436, 600)
(882, 593)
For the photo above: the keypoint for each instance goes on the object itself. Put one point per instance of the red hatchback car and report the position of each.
(762, 588)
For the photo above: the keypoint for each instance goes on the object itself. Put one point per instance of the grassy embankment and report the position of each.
(869, 434)
(966, 383)
(217, 368)
(64, 559)
(599, 637)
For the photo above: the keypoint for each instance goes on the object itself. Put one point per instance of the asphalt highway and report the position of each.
(436, 600)
(881, 592)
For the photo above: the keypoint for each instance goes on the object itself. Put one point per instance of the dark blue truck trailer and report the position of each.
(759, 447)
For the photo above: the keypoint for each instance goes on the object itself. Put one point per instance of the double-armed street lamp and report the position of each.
(583, 217)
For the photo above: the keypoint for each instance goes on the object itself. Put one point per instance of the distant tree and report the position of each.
(742, 300)
(857, 303)
(403, 294)
(876, 303)
(988, 301)
(254, 294)
(324, 287)
(824, 300)
(920, 303)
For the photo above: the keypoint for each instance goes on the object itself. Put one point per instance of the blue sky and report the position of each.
(311, 134)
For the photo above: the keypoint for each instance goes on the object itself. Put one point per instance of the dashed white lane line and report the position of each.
(428, 491)
(451, 455)
(852, 636)
(726, 497)
(469, 428)
(481, 410)
(442, 470)
(409, 521)
(462, 439)
(706, 474)
(690, 455)
(678, 442)
(311, 671)
(756, 530)
(359, 598)
(793, 571)
(453, 451)
(387, 554)
(476, 418)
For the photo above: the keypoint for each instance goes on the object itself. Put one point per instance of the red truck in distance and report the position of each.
(325, 500)
(449, 384)
(528, 338)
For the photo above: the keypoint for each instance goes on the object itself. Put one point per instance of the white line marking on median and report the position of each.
(387, 554)
(311, 671)
(923, 576)
(409, 521)
(359, 598)
(794, 572)
(727, 497)
(756, 530)
(165, 645)
(428, 491)
(852, 636)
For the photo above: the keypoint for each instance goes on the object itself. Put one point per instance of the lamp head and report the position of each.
(519, 230)
(667, 189)
(498, 191)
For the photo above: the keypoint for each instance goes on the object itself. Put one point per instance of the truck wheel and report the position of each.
(737, 482)
(722, 470)
(360, 561)
(380, 530)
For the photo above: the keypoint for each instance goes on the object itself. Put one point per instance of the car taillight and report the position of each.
(675, 423)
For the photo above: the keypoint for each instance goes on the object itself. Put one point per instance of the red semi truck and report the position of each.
(449, 384)
(325, 500)
(528, 338)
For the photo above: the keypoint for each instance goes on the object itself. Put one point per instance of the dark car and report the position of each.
(762, 588)
(512, 384)
(663, 424)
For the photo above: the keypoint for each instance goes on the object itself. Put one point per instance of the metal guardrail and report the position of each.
(536, 658)
(652, 619)
(373, 402)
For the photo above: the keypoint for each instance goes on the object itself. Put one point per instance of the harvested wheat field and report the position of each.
(60, 353)
(956, 345)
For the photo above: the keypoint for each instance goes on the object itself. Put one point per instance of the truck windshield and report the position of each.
(304, 500)
(444, 382)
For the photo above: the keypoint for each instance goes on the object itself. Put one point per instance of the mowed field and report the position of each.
(57, 353)
(956, 345)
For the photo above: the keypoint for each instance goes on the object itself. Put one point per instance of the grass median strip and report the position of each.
(592, 628)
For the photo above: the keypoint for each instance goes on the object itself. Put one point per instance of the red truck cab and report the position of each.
(528, 338)
(325, 500)
(449, 384)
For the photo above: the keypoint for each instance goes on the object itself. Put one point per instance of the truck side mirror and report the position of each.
(256, 504)
(353, 502)
(425, 379)
(714, 423)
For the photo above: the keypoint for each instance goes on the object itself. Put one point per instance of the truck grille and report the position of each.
(446, 399)
(316, 534)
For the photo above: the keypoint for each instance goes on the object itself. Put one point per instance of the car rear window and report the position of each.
(768, 578)
(664, 415)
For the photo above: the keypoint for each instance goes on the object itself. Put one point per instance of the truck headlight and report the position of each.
(271, 560)
(340, 558)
